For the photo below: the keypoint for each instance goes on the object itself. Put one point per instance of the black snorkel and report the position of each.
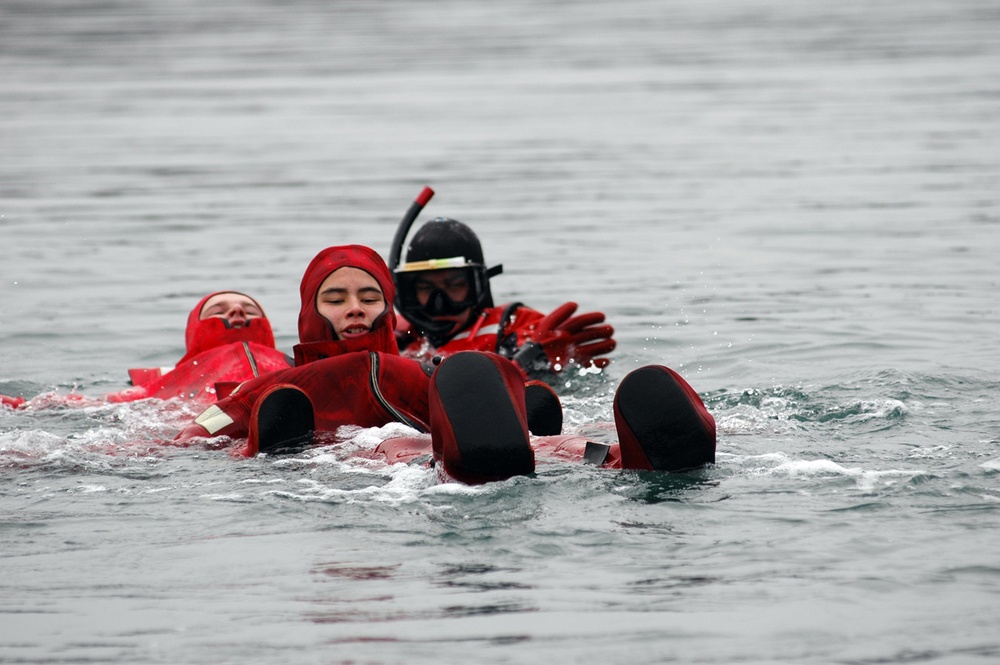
(396, 249)
(423, 318)
(428, 325)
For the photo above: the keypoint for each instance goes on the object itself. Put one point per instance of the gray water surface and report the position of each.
(795, 205)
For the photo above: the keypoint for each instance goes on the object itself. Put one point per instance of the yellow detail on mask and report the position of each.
(435, 264)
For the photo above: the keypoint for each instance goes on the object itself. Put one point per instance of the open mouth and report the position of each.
(355, 331)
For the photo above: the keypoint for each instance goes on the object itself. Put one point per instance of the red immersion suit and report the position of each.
(473, 405)
(217, 359)
(360, 381)
(480, 336)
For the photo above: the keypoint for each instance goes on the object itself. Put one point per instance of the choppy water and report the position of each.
(796, 205)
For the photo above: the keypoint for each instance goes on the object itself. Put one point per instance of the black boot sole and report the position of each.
(666, 425)
(545, 416)
(285, 422)
(488, 432)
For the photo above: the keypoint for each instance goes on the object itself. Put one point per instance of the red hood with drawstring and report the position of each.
(202, 335)
(317, 338)
(217, 359)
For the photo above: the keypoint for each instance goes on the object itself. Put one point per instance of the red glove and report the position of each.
(561, 337)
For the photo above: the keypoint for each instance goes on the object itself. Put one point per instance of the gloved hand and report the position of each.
(561, 337)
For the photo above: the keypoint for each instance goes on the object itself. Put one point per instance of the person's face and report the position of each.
(350, 299)
(235, 308)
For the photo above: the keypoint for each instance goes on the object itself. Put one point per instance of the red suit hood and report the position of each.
(317, 338)
(202, 335)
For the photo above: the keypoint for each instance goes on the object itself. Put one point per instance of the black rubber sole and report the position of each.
(545, 416)
(285, 421)
(658, 412)
(488, 432)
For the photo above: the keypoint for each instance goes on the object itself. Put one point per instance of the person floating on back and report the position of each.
(348, 372)
(228, 339)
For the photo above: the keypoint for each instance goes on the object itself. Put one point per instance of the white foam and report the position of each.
(780, 464)
(30, 443)
(368, 438)
(90, 489)
(991, 465)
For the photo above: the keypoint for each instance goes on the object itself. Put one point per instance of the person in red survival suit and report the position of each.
(348, 372)
(446, 306)
(347, 365)
(660, 421)
(444, 295)
(228, 339)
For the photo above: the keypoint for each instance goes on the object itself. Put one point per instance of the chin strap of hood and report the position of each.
(204, 334)
(317, 338)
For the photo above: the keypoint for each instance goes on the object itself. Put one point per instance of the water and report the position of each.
(793, 204)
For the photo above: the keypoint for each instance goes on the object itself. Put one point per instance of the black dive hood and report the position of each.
(441, 244)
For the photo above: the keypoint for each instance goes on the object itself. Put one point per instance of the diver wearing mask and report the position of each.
(444, 297)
